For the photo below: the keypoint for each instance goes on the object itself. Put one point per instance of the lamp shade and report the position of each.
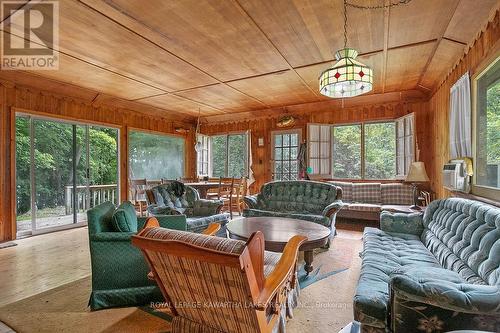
(417, 173)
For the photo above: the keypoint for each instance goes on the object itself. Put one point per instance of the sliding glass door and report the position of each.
(62, 169)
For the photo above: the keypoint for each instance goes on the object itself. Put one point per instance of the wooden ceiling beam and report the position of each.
(321, 106)
(440, 37)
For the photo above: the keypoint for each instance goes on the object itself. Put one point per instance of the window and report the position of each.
(155, 156)
(229, 155)
(347, 151)
(487, 133)
(405, 144)
(285, 152)
(319, 148)
(203, 155)
(380, 150)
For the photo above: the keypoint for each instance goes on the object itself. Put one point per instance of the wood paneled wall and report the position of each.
(482, 52)
(263, 127)
(20, 99)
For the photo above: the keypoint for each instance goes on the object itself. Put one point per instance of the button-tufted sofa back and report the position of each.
(298, 196)
(464, 235)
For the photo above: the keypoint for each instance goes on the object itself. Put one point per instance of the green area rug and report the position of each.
(325, 303)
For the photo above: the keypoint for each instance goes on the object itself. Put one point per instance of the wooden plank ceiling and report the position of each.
(226, 56)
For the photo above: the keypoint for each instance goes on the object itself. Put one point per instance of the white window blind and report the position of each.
(319, 149)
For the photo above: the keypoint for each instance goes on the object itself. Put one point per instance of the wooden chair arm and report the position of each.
(281, 272)
(211, 229)
(151, 222)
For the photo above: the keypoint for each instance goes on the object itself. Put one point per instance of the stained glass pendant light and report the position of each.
(348, 77)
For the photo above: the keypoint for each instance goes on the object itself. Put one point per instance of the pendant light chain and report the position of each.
(345, 24)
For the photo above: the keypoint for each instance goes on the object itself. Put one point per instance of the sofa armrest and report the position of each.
(204, 207)
(250, 201)
(332, 208)
(402, 223)
(459, 297)
(177, 222)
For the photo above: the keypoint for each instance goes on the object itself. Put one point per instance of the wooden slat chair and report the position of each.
(240, 190)
(215, 285)
(138, 188)
(226, 194)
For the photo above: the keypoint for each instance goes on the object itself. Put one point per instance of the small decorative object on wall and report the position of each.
(260, 142)
(348, 77)
(181, 130)
(286, 121)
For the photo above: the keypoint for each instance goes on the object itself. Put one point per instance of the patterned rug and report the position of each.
(325, 301)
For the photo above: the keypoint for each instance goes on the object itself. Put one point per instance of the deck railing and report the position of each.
(85, 200)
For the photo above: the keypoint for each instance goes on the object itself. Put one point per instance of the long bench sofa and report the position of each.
(433, 274)
(365, 201)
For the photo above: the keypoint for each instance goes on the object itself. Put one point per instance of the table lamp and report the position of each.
(415, 176)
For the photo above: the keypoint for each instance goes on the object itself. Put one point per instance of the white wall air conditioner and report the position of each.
(455, 176)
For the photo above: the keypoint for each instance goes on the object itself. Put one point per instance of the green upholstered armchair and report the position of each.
(162, 201)
(119, 271)
(301, 199)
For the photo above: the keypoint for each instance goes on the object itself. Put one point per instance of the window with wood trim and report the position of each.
(203, 155)
(405, 144)
(229, 155)
(285, 150)
(487, 130)
(319, 139)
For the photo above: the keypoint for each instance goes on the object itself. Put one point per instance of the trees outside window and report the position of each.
(347, 151)
(380, 150)
(229, 155)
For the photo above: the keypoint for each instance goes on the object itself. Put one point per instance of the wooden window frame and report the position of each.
(278, 132)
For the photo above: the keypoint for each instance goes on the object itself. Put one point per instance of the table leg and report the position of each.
(308, 258)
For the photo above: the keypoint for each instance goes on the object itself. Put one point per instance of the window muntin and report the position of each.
(285, 152)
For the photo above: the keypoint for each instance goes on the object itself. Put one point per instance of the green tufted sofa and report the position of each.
(200, 213)
(438, 273)
(301, 199)
(119, 271)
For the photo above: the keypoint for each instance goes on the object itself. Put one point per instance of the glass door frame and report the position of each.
(86, 125)
(297, 131)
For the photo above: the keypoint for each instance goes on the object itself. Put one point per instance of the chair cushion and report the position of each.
(396, 194)
(124, 218)
(320, 219)
(366, 193)
(208, 242)
(383, 254)
(364, 207)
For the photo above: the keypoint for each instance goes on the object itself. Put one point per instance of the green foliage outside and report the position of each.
(493, 123)
(347, 151)
(154, 157)
(237, 158)
(380, 151)
(53, 166)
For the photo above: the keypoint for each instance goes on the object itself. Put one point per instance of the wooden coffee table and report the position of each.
(277, 231)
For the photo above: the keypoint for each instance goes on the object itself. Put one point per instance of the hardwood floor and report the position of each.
(43, 262)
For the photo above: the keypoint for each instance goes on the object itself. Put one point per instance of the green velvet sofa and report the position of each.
(436, 273)
(162, 201)
(119, 271)
(301, 199)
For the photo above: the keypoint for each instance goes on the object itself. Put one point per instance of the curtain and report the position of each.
(460, 118)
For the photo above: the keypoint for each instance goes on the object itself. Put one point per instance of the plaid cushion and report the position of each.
(397, 194)
(209, 242)
(366, 193)
(346, 190)
(363, 207)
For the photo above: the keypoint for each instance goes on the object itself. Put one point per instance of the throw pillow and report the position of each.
(125, 218)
